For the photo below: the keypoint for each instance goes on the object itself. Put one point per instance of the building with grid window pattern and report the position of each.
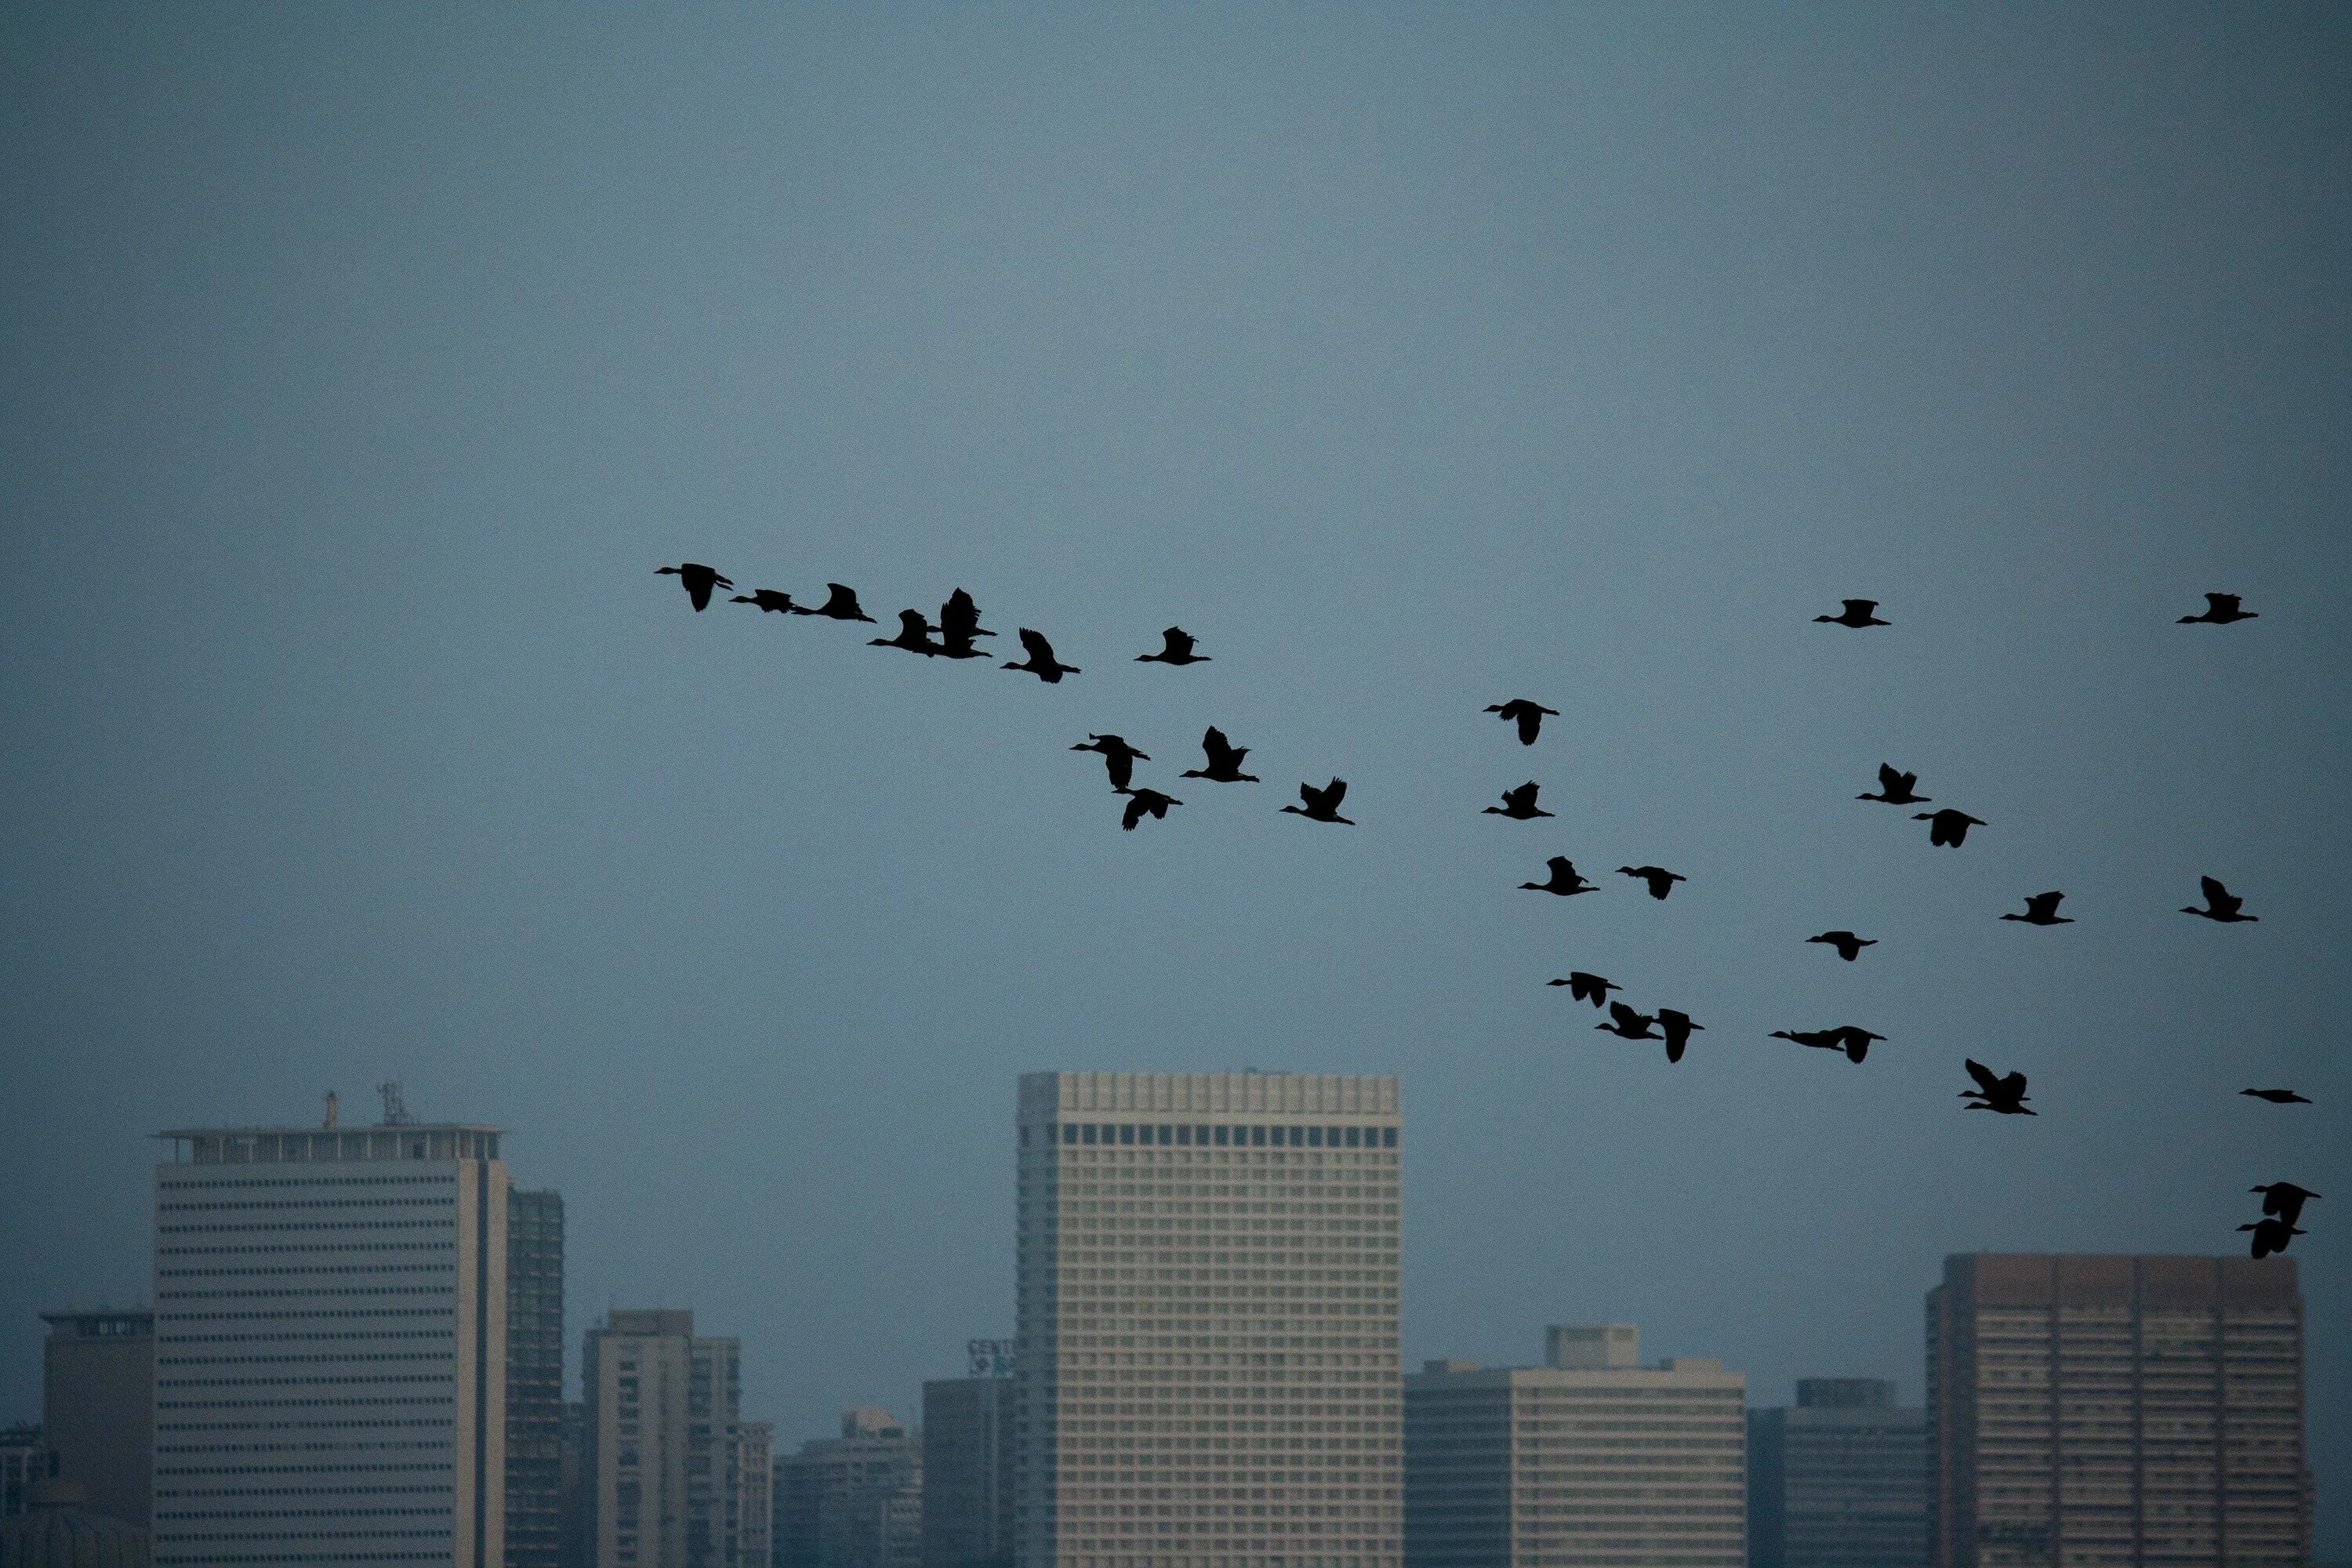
(1206, 1308)
(2116, 1410)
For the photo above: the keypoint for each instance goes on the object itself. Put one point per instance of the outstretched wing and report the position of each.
(1034, 645)
(2221, 603)
(1333, 792)
(1180, 641)
(1984, 1076)
(1135, 806)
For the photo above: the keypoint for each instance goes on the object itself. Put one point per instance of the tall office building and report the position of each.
(1838, 1479)
(1591, 1460)
(1207, 1321)
(855, 1500)
(23, 1460)
(534, 1378)
(968, 1472)
(2116, 1409)
(331, 1346)
(663, 1428)
(98, 1407)
(755, 1492)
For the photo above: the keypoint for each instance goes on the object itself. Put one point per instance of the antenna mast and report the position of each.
(396, 1114)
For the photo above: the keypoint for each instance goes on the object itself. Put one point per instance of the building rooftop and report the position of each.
(300, 1145)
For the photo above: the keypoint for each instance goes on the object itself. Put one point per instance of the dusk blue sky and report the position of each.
(361, 363)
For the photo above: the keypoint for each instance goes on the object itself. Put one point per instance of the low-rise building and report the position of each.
(1838, 1479)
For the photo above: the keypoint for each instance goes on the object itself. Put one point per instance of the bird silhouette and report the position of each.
(768, 599)
(697, 579)
(2041, 909)
(1119, 758)
(2284, 1199)
(2220, 610)
(1140, 801)
(2222, 904)
(1584, 987)
(1947, 826)
(1322, 805)
(1626, 1024)
(1820, 1039)
(2276, 1096)
(1857, 613)
(1042, 662)
(1565, 879)
(1178, 649)
(1661, 881)
(960, 619)
(1851, 1038)
(914, 636)
(2271, 1236)
(1849, 946)
(1678, 1030)
(1896, 788)
(1518, 805)
(840, 604)
(1528, 715)
(1224, 760)
(2005, 1095)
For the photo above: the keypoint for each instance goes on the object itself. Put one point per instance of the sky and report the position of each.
(364, 362)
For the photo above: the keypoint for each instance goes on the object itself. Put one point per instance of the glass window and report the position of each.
(1200, 1135)
(1167, 1133)
(1388, 1137)
(1258, 1137)
(1298, 1137)
(1069, 1131)
(1127, 1132)
(1184, 1137)
(1222, 1136)
(1088, 1133)
(1355, 1137)
(1315, 1138)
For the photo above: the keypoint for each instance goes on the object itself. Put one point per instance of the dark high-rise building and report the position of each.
(534, 1378)
(855, 1500)
(1838, 1479)
(23, 1460)
(968, 1472)
(98, 1407)
(2116, 1410)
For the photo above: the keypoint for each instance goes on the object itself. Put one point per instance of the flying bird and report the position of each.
(1584, 987)
(1140, 801)
(1851, 1038)
(768, 599)
(1858, 613)
(1518, 805)
(1626, 1024)
(697, 579)
(1896, 788)
(1849, 946)
(1178, 649)
(1322, 805)
(2041, 909)
(840, 604)
(914, 636)
(2222, 904)
(1565, 880)
(1679, 1028)
(2284, 1199)
(1042, 662)
(1224, 760)
(1661, 881)
(1947, 826)
(2005, 1095)
(1119, 758)
(960, 619)
(1529, 716)
(2276, 1096)
(2220, 610)
(2271, 1236)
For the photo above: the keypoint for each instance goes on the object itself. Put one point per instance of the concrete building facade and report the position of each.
(331, 1347)
(968, 1474)
(98, 1407)
(534, 1476)
(755, 1492)
(1207, 1321)
(2091, 1409)
(855, 1500)
(1838, 1479)
(663, 1430)
(1592, 1460)
(23, 1460)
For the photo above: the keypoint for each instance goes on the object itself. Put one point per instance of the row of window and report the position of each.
(1258, 1135)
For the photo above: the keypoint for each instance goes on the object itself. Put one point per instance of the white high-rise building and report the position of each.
(1207, 1321)
(331, 1347)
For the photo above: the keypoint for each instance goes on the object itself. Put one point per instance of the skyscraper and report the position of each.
(968, 1472)
(2116, 1409)
(1591, 1460)
(755, 1491)
(98, 1407)
(662, 1426)
(1838, 1479)
(1207, 1321)
(534, 1378)
(331, 1346)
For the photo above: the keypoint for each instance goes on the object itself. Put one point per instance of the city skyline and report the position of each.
(367, 364)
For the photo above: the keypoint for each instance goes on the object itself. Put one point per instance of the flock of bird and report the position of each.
(955, 634)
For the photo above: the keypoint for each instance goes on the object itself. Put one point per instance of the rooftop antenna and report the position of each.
(396, 1114)
(330, 1108)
